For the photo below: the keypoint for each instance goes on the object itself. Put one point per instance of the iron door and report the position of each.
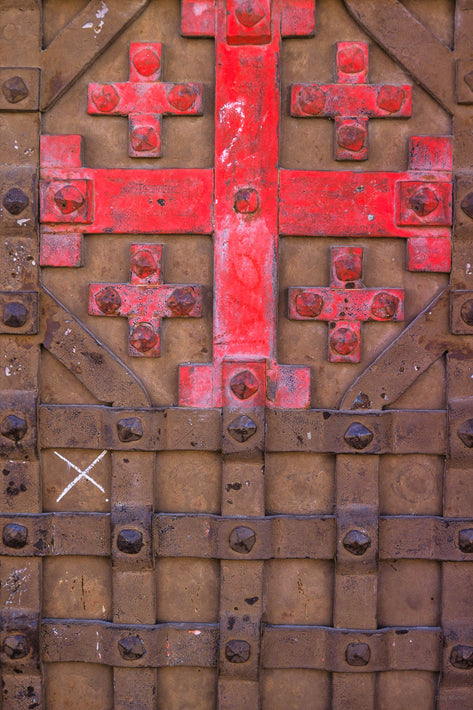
(237, 305)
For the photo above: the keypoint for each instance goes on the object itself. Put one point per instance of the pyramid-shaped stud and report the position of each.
(358, 436)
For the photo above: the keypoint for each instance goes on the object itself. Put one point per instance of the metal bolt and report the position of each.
(13, 427)
(390, 98)
(246, 201)
(130, 429)
(108, 300)
(348, 267)
(130, 541)
(131, 648)
(244, 384)
(242, 539)
(466, 312)
(105, 98)
(384, 305)
(242, 428)
(15, 536)
(181, 301)
(249, 12)
(16, 646)
(68, 199)
(143, 263)
(143, 337)
(358, 436)
(182, 97)
(465, 540)
(423, 201)
(351, 60)
(465, 433)
(352, 137)
(467, 204)
(237, 651)
(15, 201)
(15, 89)
(143, 138)
(343, 341)
(356, 542)
(462, 657)
(309, 305)
(146, 62)
(14, 314)
(357, 654)
(311, 100)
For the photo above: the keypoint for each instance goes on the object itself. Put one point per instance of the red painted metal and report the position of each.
(245, 230)
(378, 204)
(345, 304)
(115, 201)
(351, 101)
(145, 99)
(145, 300)
(246, 182)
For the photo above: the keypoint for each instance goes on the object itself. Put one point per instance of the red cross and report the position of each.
(145, 300)
(345, 304)
(145, 99)
(351, 101)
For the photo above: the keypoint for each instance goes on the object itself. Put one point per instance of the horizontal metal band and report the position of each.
(126, 646)
(234, 538)
(230, 538)
(91, 426)
(319, 648)
(352, 651)
(180, 428)
(392, 431)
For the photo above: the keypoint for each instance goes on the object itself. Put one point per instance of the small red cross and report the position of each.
(345, 304)
(145, 99)
(351, 101)
(145, 300)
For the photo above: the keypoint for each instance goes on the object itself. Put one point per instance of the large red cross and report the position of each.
(246, 201)
(146, 300)
(351, 101)
(345, 304)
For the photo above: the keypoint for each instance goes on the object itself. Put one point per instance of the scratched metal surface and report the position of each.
(266, 504)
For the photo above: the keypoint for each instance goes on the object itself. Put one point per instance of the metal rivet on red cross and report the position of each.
(68, 199)
(246, 201)
(146, 62)
(351, 59)
(143, 138)
(390, 98)
(143, 337)
(249, 12)
(384, 305)
(105, 98)
(351, 136)
(343, 340)
(423, 201)
(143, 263)
(309, 305)
(181, 302)
(311, 100)
(244, 384)
(182, 97)
(348, 266)
(108, 300)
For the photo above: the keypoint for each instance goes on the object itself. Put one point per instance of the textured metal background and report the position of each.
(345, 580)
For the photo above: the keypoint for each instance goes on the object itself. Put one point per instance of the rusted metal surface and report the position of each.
(243, 522)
